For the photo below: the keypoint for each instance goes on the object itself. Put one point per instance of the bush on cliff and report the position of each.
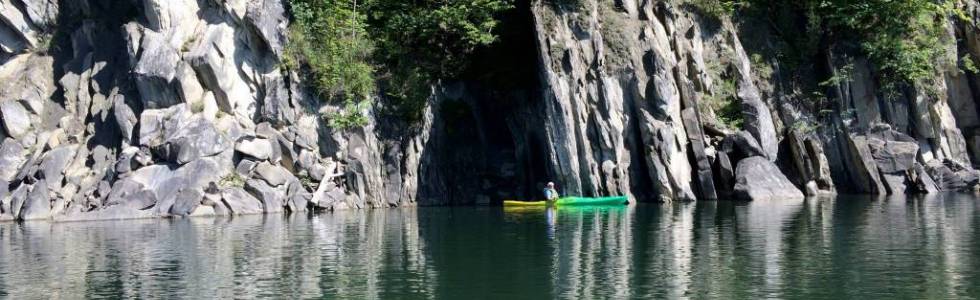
(903, 38)
(349, 47)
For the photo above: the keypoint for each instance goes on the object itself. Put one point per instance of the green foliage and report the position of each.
(617, 41)
(44, 44)
(197, 106)
(352, 115)
(349, 46)
(722, 99)
(906, 44)
(904, 39)
(232, 180)
(805, 127)
(307, 182)
(724, 102)
(716, 8)
(423, 41)
(968, 65)
(840, 76)
(568, 5)
(330, 38)
(762, 68)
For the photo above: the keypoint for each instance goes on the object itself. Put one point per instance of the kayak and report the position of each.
(570, 201)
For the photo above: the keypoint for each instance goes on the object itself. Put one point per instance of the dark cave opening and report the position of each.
(503, 92)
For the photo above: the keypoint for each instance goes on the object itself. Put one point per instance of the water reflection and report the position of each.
(849, 247)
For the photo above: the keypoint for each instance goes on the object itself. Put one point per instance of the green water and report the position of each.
(849, 247)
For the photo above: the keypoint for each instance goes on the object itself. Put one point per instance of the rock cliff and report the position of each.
(128, 109)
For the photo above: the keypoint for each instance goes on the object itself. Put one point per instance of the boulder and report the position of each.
(155, 124)
(41, 13)
(122, 191)
(141, 200)
(185, 202)
(275, 175)
(4, 197)
(258, 148)
(12, 157)
(758, 179)
(812, 189)
(921, 181)
(213, 200)
(306, 133)
(724, 174)
(127, 160)
(54, 164)
(164, 181)
(330, 197)
(744, 144)
(17, 199)
(27, 78)
(155, 72)
(196, 139)
(758, 118)
(125, 118)
(276, 107)
(951, 176)
(272, 198)
(862, 169)
(12, 17)
(894, 183)
(16, 118)
(245, 168)
(219, 71)
(269, 19)
(37, 206)
(893, 156)
(310, 162)
(702, 165)
(241, 202)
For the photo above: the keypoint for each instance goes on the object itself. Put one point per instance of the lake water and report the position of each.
(848, 247)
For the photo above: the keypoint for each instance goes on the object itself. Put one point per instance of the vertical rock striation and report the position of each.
(155, 108)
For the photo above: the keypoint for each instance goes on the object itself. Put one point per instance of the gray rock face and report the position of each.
(744, 143)
(725, 171)
(951, 176)
(921, 181)
(810, 163)
(5, 199)
(269, 19)
(863, 171)
(258, 148)
(704, 178)
(17, 199)
(12, 157)
(893, 151)
(758, 179)
(151, 113)
(196, 139)
(16, 118)
(155, 72)
(273, 199)
(758, 118)
(274, 175)
(37, 206)
(185, 202)
(241, 202)
(125, 119)
(155, 124)
(20, 32)
(54, 163)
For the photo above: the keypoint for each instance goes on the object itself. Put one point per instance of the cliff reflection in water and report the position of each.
(849, 247)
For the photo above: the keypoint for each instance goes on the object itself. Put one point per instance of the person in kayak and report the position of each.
(550, 193)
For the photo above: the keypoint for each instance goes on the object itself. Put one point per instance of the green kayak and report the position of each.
(572, 201)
